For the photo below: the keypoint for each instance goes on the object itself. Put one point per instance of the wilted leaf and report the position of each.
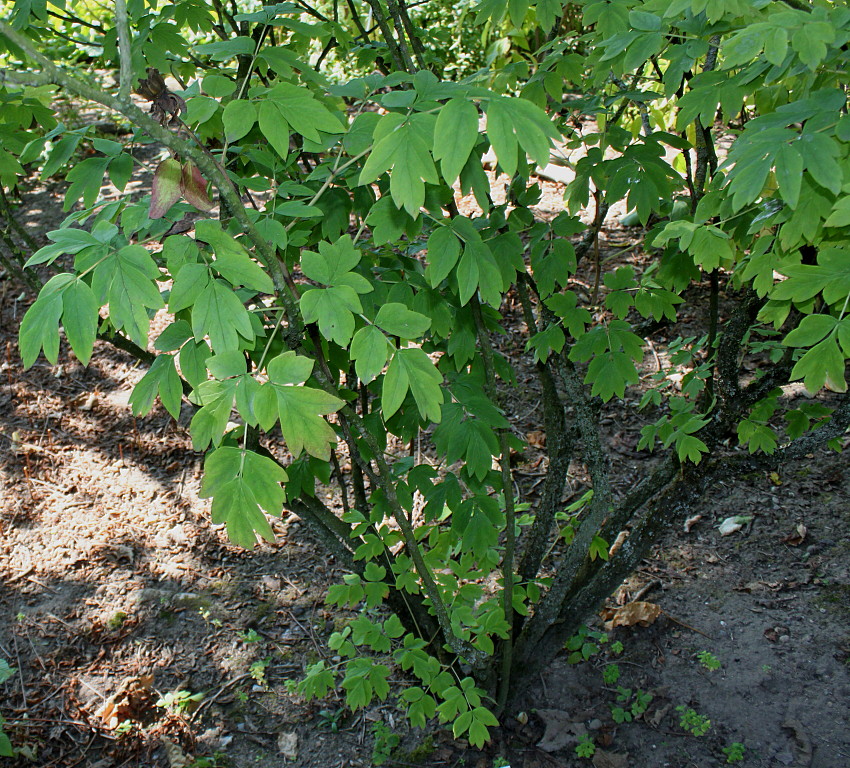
(177, 758)
(166, 187)
(194, 187)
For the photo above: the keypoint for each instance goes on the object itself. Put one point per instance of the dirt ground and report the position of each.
(119, 602)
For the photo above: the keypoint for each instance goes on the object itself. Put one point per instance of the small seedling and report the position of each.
(585, 747)
(180, 702)
(258, 671)
(708, 660)
(249, 636)
(616, 647)
(584, 644)
(627, 713)
(692, 722)
(116, 621)
(385, 742)
(734, 752)
(610, 674)
(329, 718)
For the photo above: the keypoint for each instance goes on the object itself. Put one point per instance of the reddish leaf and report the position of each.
(194, 187)
(165, 190)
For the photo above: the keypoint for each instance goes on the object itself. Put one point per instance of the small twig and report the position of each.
(645, 590)
(210, 701)
(686, 626)
(125, 62)
(21, 671)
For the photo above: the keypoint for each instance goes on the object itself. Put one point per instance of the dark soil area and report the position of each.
(119, 601)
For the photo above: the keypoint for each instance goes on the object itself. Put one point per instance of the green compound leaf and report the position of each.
(161, 379)
(301, 408)
(242, 485)
(412, 369)
(125, 280)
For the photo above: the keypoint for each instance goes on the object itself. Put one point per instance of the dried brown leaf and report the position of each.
(637, 612)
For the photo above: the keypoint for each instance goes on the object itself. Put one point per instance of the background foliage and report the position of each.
(341, 300)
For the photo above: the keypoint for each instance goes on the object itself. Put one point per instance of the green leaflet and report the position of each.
(831, 276)
(219, 314)
(333, 309)
(238, 118)
(40, 326)
(369, 350)
(457, 132)
(232, 261)
(405, 148)
(161, 379)
(299, 408)
(397, 320)
(443, 253)
(243, 486)
(517, 122)
(80, 318)
(191, 281)
(303, 112)
(411, 369)
(86, 179)
(822, 365)
(193, 361)
(275, 129)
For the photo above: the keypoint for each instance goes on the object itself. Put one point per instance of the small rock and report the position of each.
(594, 725)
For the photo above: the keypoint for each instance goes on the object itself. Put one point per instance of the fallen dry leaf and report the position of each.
(536, 439)
(134, 700)
(177, 758)
(802, 743)
(797, 537)
(287, 745)
(691, 522)
(561, 731)
(602, 759)
(733, 524)
(637, 612)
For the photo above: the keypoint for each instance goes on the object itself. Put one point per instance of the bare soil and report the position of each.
(117, 594)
